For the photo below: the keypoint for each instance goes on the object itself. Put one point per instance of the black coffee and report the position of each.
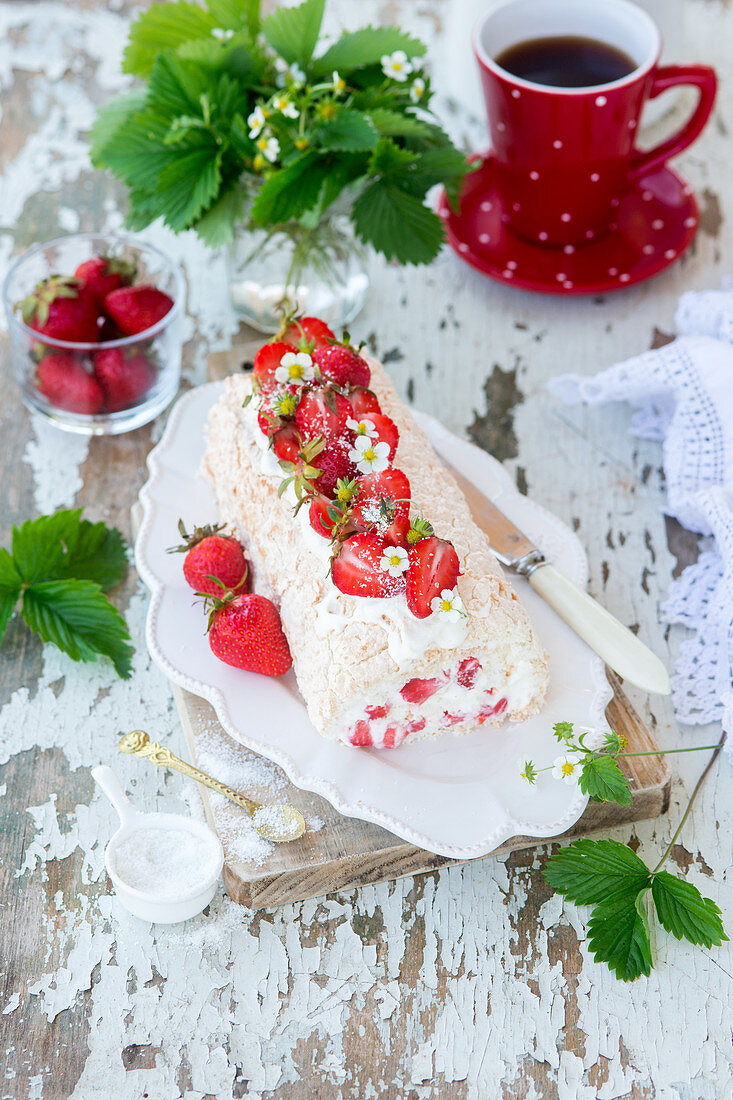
(566, 61)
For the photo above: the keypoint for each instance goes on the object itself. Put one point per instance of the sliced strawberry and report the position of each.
(433, 566)
(416, 726)
(452, 719)
(490, 709)
(364, 403)
(308, 333)
(286, 443)
(386, 432)
(318, 515)
(267, 360)
(418, 690)
(378, 712)
(384, 506)
(357, 568)
(468, 670)
(66, 384)
(335, 465)
(391, 738)
(322, 411)
(360, 735)
(137, 308)
(342, 364)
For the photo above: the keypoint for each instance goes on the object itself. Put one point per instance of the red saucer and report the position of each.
(655, 222)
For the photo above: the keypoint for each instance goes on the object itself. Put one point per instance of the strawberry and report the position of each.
(245, 632)
(108, 330)
(209, 554)
(308, 333)
(102, 274)
(137, 308)
(267, 360)
(342, 364)
(363, 402)
(335, 466)
(277, 407)
(125, 378)
(384, 506)
(433, 566)
(468, 670)
(322, 411)
(63, 309)
(418, 690)
(360, 736)
(318, 515)
(63, 381)
(386, 432)
(356, 570)
(286, 443)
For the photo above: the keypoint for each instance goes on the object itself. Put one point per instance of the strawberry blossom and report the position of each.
(269, 147)
(394, 561)
(256, 122)
(396, 65)
(568, 767)
(339, 84)
(417, 91)
(363, 427)
(369, 456)
(296, 368)
(285, 106)
(449, 604)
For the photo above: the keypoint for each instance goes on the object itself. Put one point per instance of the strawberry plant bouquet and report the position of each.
(248, 121)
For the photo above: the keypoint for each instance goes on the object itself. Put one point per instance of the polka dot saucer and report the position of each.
(655, 222)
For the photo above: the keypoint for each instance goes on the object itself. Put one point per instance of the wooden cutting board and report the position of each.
(343, 852)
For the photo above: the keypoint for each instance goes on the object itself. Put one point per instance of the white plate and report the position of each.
(456, 796)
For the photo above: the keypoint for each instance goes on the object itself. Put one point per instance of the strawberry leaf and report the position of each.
(79, 619)
(590, 871)
(291, 191)
(10, 586)
(618, 934)
(348, 130)
(163, 27)
(293, 32)
(98, 553)
(38, 544)
(397, 224)
(603, 780)
(684, 912)
(365, 47)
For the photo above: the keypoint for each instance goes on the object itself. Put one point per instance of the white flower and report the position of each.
(284, 71)
(363, 427)
(449, 604)
(296, 368)
(285, 106)
(339, 84)
(368, 456)
(396, 66)
(568, 767)
(297, 75)
(417, 91)
(269, 146)
(394, 561)
(256, 122)
(222, 34)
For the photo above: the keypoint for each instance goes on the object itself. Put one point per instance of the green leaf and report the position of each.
(97, 554)
(139, 153)
(217, 226)
(38, 544)
(397, 224)
(618, 934)
(348, 130)
(395, 124)
(79, 619)
(163, 26)
(10, 585)
(291, 191)
(344, 171)
(189, 184)
(176, 86)
(112, 118)
(233, 14)
(390, 161)
(365, 47)
(293, 32)
(603, 780)
(591, 871)
(684, 912)
(444, 165)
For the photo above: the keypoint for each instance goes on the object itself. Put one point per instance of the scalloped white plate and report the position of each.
(456, 796)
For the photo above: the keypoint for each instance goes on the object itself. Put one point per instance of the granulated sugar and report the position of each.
(165, 862)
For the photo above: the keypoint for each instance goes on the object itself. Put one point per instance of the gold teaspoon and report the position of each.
(278, 823)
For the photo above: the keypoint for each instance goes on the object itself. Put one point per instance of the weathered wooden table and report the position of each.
(470, 982)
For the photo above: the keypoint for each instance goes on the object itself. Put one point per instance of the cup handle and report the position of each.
(701, 77)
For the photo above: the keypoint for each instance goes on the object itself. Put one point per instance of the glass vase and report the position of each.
(315, 270)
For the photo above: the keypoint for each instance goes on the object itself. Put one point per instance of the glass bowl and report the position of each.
(160, 345)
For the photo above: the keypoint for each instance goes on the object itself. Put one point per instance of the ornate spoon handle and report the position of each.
(139, 744)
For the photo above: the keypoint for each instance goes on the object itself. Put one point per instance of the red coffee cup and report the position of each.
(565, 156)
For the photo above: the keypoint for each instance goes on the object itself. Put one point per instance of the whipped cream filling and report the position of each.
(407, 636)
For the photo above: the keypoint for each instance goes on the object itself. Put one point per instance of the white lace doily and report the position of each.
(683, 396)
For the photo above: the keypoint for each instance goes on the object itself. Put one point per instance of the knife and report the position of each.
(598, 628)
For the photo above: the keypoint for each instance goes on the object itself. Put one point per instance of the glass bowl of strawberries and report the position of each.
(95, 324)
